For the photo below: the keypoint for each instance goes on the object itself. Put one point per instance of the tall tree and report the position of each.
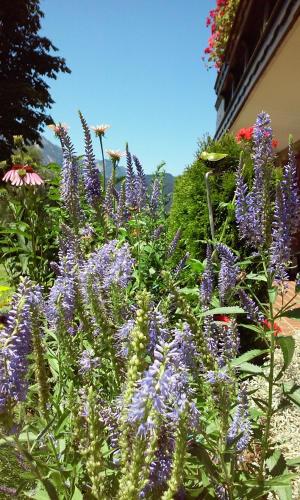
(25, 62)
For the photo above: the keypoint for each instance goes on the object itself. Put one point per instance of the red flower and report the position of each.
(275, 143)
(244, 134)
(222, 317)
(267, 327)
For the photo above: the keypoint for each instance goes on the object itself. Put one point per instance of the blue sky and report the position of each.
(136, 64)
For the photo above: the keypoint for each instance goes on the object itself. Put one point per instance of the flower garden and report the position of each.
(124, 371)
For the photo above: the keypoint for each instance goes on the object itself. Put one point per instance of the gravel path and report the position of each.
(285, 422)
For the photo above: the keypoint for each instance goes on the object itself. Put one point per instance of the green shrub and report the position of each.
(189, 208)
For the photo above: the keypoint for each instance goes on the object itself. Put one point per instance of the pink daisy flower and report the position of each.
(20, 175)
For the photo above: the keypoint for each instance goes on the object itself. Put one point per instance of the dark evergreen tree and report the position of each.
(25, 61)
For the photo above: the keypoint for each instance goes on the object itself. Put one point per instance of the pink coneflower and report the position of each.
(19, 175)
(100, 129)
(115, 155)
(57, 128)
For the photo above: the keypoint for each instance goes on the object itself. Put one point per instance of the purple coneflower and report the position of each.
(20, 175)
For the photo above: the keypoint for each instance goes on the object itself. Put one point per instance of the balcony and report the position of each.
(260, 69)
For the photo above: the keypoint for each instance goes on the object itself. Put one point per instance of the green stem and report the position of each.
(269, 413)
(209, 205)
(285, 307)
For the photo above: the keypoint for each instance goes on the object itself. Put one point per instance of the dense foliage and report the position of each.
(189, 210)
(26, 62)
(123, 383)
(30, 217)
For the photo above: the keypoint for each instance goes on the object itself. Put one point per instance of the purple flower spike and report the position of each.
(140, 184)
(15, 343)
(250, 206)
(241, 205)
(88, 361)
(164, 387)
(181, 264)
(130, 182)
(228, 271)
(207, 283)
(123, 335)
(70, 178)
(174, 243)
(63, 293)
(262, 155)
(250, 307)
(240, 423)
(90, 171)
(155, 194)
(109, 266)
(157, 232)
(286, 219)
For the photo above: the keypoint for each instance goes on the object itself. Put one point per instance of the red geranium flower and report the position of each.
(268, 327)
(244, 134)
(222, 317)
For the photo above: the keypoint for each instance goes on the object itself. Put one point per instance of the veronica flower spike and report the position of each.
(90, 170)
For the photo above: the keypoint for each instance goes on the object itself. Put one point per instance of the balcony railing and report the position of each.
(258, 30)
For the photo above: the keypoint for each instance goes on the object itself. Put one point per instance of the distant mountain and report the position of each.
(51, 153)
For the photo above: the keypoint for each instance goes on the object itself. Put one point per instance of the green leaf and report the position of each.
(77, 495)
(284, 492)
(190, 291)
(292, 392)
(287, 344)
(223, 310)
(292, 313)
(250, 368)
(261, 403)
(272, 292)
(247, 356)
(276, 463)
(283, 480)
(256, 277)
(44, 491)
(212, 156)
(253, 328)
(293, 462)
(199, 451)
(196, 265)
